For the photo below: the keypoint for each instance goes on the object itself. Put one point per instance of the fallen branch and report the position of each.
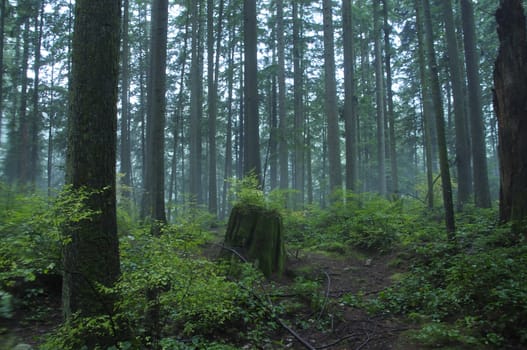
(269, 306)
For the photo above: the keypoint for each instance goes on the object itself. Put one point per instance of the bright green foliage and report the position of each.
(364, 221)
(469, 293)
(30, 226)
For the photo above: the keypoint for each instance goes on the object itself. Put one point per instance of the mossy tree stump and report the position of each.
(257, 234)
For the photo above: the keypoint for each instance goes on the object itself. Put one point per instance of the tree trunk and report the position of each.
(510, 104)
(257, 234)
(440, 122)
(350, 121)
(251, 158)
(126, 161)
(389, 103)
(92, 255)
(379, 98)
(477, 127)
(298, 77)
(156, 136)
(335, 175)
(282, 112)
(195, 106)
(2, 27)
(462, 136)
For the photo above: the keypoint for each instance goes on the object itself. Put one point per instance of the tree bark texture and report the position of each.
(257, 234)
(510, 104)
(91, 256)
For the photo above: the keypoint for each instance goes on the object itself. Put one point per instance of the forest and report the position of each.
(242, 174)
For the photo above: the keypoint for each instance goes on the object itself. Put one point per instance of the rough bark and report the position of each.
(257, 234)
(91, 256)
(510, 104)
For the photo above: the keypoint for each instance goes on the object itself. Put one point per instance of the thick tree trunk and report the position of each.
(92, 255)
(257, 234)
(510, 103)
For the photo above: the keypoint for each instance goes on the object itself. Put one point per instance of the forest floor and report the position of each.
(330, 324)
(348, 327)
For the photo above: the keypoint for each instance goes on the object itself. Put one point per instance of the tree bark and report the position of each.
(440, 122)
(125, 150)
(462, 136)
(91, 256)
(380, 102)
(298, 92)
(252, 165)
(330, 106)
(282, 112)
(350, 120)
(510, 104)
(257, 234)
(477, 128)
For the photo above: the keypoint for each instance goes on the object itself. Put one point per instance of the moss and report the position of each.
(258, 233)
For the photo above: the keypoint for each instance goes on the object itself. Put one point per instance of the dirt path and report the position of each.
(340, 326)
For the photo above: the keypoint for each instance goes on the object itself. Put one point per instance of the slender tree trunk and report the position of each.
(282, 112)
(91, 256)
(440, 122)
(335, 175)
(379, 97)
(477, 127)
(172, 191)
(36, 119)
(298, 181)
(126, 161)
(23, 140)
(228, 144)
(464, 177)
(510, 104)
(389, 96)
(349, 99)
(195, 106)
(2, 28)
(252, 141)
